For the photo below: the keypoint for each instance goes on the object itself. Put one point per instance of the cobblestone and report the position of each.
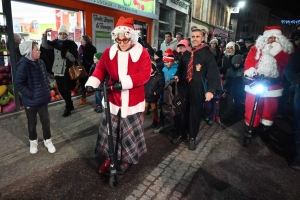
(173, 198)
(150, 178)
(137, 193)
(145, 197)
(177, 194)
(130, 197)
(150, 193)
(181, 188)
(146, 183)
(141, 187)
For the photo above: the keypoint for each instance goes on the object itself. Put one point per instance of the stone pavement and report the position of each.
(172, 177)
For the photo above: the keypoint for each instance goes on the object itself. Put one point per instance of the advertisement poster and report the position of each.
(102, 27)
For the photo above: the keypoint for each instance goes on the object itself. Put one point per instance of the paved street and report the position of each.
(220, 168)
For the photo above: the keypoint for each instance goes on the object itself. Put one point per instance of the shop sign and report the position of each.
(179, 5)
(235, 10)
(220, 32)
(102, 26)
(145, 8)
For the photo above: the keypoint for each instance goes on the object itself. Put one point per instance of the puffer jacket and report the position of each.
(155, 84)
(31, 81)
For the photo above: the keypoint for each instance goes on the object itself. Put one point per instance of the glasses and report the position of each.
(125, 41)
(62, 34)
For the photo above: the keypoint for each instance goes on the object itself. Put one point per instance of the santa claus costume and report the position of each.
(268, 59)
(131, 68)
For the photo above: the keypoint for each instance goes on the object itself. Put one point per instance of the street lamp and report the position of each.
(241, 4)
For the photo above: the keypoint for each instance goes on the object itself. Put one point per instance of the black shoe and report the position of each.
(178, 139)
(295, 165)
(66, 113)
(123, 168)
(72, 107)
(210, 122)
(154, 124)
(191, 144)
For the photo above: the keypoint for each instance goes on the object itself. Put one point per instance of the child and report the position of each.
(234, 87)
(31, 81)
(153, 88)
(98, 96)
(169, 70)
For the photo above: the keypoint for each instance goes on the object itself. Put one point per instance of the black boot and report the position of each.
(264, 132)
(66, 113)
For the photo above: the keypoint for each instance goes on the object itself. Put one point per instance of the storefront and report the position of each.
(95, 18)
(170, 10)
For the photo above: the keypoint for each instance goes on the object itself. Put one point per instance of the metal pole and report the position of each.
(11, 44)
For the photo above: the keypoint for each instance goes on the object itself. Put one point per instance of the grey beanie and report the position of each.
(237, 59)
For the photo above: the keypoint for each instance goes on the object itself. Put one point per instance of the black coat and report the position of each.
(155, 84)
(225, 64)
(205, 79)
(31, 81)
(86, 58)
(234, 83)
(292, 70)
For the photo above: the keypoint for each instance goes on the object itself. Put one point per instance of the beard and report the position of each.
(267, 65)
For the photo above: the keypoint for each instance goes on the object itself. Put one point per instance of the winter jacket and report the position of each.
(225, 64)
(234, 84)
(172, 45)
(159, 65)
(292, 70)
(155, 84)
(65, 53)
(86, 57)
(31, 80)
(92, 69)
(169, 72)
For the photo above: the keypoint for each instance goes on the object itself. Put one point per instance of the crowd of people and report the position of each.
(208, 75)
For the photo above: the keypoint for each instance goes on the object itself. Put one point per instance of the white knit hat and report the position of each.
(230, 44)
(63, 29)
(215, 41)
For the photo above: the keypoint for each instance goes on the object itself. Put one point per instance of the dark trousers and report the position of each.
(295, 136)
(98, 96)
(233, 104)
(31, 113)
(82, 83)
(65, 91)
(211, 107)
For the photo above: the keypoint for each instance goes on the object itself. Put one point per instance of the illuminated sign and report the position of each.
(289, 22)
(235, 10)
(144, 8)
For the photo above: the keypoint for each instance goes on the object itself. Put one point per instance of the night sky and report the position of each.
(292, 6)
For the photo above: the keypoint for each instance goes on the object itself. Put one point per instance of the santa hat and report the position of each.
(168, 56)
(272, 31)
(63, 29)
(125, 26)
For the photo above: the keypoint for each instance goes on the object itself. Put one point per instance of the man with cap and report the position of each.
(65, 54)
(127, 66)
(199, 77)
(269, 56)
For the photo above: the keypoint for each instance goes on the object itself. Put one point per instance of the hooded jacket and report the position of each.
(172, 44)
(31, 78)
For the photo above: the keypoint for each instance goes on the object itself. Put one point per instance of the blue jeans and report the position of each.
(98, 96)
(295, 136)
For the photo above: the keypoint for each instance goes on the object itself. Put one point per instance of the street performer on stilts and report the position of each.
(128, 65)
(269, 56)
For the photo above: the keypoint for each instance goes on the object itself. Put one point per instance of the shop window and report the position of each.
(164, 14)
(30, 21)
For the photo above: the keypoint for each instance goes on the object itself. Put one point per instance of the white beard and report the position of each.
(267, 65)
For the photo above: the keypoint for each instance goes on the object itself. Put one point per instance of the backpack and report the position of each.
(172, 104)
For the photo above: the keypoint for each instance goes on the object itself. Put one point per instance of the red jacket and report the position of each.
(278, 57)
(132, 68)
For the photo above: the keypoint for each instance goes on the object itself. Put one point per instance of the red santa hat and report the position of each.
(125, 26)
(272, 31)
(168, 56)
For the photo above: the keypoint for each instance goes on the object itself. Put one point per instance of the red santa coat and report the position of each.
(132, 68)
(276, 56)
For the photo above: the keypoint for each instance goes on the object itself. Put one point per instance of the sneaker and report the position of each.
(207, 118)
(99, 109)
(95, 109)
(158, 129)
(295, 165)
(210, 122)
(48, 143)
(178, 139)
(33, 146)
(191, 144)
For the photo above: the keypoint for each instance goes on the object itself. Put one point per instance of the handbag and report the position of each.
(77, 71)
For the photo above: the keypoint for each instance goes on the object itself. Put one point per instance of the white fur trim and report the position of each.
(113, 51)
(126, 82)
(275, 49)
(93, 81)
(272, 32)
(136, 52)
(271, 93)
(250, 72)
(266, 122)
(114, 109)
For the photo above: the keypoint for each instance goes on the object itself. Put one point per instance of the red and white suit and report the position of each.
(132, 68)
(270, 61)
